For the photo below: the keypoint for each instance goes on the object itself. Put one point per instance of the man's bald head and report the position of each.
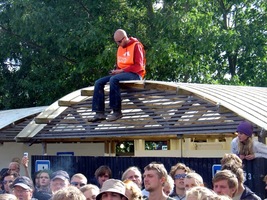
(119, 34)
(120, 37)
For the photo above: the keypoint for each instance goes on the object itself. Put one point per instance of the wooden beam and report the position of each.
(50, 113)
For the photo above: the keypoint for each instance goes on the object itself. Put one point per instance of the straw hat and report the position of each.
(112, 185)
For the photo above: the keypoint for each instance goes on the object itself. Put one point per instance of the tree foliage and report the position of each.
(51, 48)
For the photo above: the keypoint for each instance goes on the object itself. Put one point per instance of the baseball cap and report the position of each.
(24, 182)
(112, 185)
(63, 175)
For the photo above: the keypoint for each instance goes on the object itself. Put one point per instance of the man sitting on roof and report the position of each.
(130, 66)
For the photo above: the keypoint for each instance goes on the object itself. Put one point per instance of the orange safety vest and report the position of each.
(126, 58)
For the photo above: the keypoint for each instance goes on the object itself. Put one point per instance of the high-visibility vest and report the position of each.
(126, 58)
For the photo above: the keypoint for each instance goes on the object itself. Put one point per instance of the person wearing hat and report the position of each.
(244, 146)
(59, 179)
(23, 188)
(112, 189)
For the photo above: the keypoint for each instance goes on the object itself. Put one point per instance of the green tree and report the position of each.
(51, 48)
(208, 41)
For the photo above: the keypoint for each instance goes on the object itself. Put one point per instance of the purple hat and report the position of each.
(245, 127)
(63, 175)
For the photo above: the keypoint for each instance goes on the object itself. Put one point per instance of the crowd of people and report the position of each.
(155, 183)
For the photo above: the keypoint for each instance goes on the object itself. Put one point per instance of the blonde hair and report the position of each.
(222, 197)
(79, 176)
(69, 193)
(201, 193)
(196, 177)
(90, 187)
(136, 193)
(133, 168)
(169, 184)
(233, 159)
(8, 197)
(161, 170)
(246, 147)
(233, 163)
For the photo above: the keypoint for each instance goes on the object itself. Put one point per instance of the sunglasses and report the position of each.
(5, 182)
(179, 176)
(77, 183)
(120, 41)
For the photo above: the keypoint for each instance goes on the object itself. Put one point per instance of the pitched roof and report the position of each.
(152, 109)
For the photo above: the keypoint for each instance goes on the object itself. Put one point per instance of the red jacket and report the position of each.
(132, 57)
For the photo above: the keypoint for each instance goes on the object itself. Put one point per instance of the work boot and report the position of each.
(115, 115)
(99, 116)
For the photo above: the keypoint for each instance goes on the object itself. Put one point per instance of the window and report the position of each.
(156, 145)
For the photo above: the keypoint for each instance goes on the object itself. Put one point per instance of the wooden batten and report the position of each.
(190, 118)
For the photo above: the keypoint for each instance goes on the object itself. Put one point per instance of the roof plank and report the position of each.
(154, 108)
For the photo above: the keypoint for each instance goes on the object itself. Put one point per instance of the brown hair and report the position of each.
(179, 166)
(102, 170)
(233, 163)
(226, 175)
(239, 172)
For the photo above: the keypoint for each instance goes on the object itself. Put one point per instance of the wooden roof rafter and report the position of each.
(150, 109)
(13, 121)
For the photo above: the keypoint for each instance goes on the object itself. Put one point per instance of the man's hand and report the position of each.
(115, 71)
(25, 161)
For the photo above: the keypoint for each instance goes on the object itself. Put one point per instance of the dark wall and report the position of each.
(255, 170)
